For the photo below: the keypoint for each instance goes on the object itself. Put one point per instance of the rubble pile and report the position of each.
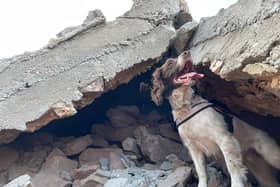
(130, 149)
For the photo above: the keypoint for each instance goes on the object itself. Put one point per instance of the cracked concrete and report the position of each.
(241, 46)
(81, 64)
(238, 50)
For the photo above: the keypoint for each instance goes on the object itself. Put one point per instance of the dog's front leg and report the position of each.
(199, 163)
(232, 153)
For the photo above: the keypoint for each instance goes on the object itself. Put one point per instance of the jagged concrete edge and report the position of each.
(61, 109)
(229, 50)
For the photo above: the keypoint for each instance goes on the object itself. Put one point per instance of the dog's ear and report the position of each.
(158, 87)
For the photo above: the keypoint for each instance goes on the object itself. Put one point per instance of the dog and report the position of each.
(206, 132)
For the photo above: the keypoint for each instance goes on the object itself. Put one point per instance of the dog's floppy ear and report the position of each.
(158, 87)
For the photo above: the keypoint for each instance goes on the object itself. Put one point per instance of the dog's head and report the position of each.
(172, 74)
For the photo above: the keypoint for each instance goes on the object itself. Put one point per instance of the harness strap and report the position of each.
(195, 110)
(198, 107)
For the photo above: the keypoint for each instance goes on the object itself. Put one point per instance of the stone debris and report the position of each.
(123, 116)
(149, 156)
(130, 145)
(21, 181)
(77, 145)
(155, 147)
(8, 157)
(81, 64)
(238, 52)
(84, 171)
(179, 177)
(92, 180)
(99, 141)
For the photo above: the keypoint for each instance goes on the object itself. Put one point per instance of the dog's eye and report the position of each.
(170, 64)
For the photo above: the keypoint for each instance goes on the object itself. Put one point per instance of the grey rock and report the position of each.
(155, 147)
(21, 181)
(178, 178)
(167, 131)
(8, 156)
(104, 163)
(166, 165)
(123, 116)
(120, 182)
(236, 17)
(92, 180)
(84, 171)
(56, 171)
(136, 177)
(77, 68)
(216, 178)
(110, 133)
(98, 141)
(77, 145)
(241, 46)
(130, 144)
(92, 156)
(184, 35)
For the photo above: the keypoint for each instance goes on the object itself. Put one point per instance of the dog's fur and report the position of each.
(206, 133)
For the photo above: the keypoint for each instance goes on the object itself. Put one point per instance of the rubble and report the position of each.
(82, 64)
(238, 50)
(21, 181)
(179, 177)
(145, 159)
(77, 145)
(152, 145)
(8, 157)
(241, 46)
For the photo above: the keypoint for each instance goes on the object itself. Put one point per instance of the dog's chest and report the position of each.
(197, 138)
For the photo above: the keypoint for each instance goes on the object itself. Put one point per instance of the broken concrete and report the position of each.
(81, 64)
(152, 145)
(21, 181)
(179, 178)
(77, 145)
(241, 45)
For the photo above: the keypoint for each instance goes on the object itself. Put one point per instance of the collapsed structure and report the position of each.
(238, 50)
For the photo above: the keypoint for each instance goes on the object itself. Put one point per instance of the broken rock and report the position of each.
(77, 145)
(92, 156)
(184, 34)
(56, 171)
(78, 58)
(98, 141)
(130, 145)
(91, 181)
(178, 178)
(112, 134)
(166, 131)
(21, 181)
(84, 171)
(155, 147)
(123, 116)
(8, 156)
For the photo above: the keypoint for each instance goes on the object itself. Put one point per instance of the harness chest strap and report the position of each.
(195, 110)
(202, 106)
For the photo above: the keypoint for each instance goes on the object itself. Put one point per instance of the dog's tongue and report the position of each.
(188, 77)
(192, 75)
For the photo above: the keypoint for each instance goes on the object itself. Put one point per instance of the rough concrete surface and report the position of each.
(81, 64)
(242, 46)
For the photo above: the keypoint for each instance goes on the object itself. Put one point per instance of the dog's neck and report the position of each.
(181, 100)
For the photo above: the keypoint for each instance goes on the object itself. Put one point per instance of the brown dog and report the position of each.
(206, 133)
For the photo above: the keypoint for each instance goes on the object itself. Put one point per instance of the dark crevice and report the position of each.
(136, 92)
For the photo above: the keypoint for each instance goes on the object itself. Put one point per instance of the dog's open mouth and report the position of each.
(186, 76)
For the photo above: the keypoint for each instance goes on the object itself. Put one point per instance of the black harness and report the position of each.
(198, 107)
